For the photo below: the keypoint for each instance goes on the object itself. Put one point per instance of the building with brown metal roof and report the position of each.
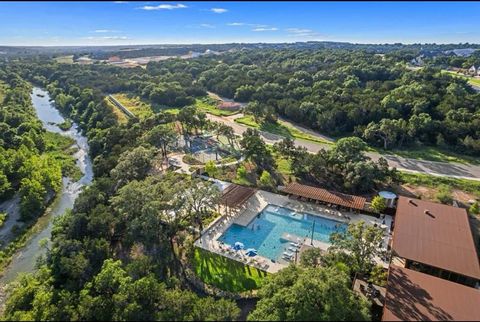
(436, 239)
(326, 196)
(414, 296)
(229, 106)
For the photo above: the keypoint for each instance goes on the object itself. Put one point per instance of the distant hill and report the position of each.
(133, 51)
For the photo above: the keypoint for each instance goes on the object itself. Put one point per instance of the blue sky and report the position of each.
(123, 22)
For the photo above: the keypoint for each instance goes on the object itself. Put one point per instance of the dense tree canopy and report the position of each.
(309, 294)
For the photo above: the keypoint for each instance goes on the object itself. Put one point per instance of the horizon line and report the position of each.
(250, 43)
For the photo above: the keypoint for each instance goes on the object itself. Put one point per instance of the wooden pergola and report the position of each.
(235, 195)
(325, 196)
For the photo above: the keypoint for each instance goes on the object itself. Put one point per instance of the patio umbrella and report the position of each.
(251, 252)
(238, 246)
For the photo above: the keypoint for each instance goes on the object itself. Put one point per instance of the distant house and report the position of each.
(418, 61)
(472, 71)
(229, 106)
(114, 59)
(84, 60)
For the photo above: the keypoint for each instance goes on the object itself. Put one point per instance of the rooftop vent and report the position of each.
(428, 213)
(412, 202)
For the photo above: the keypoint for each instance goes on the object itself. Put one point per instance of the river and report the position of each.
(25, 259)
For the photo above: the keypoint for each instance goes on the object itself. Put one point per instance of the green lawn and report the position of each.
(434, 182)
(225, 273)
(121, 117)
(64, 59)
(135, 105)
(279, 128)
(471, 80)
(207, 105)
(431, 154)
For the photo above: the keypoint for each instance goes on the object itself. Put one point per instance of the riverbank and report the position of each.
(28, 248)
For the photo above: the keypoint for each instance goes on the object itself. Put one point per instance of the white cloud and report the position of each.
(164, 7)
(301, 32)
(107, 38)
(265, 29)
(104, 30)
(256, 25)
(236, 24)
(218, 10)
(206, 25)
(120, 2)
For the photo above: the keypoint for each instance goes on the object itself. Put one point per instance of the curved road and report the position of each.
(443, 169)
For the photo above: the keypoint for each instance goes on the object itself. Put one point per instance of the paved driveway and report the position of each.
(453, 170)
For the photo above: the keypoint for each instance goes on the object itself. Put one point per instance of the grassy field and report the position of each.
(64, 59)
(471, 80)
(135, 105)
(431, 154)
(280, 128)
(470, 186)
(121, 117)
(208, 105)
(226, 274)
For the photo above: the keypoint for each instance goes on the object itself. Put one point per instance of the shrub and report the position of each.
(3, 217)
(444, 195)
(474, 208)
(379, 204)
(266, 179)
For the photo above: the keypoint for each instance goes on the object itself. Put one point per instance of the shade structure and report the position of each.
(238, 246)
(251, 252)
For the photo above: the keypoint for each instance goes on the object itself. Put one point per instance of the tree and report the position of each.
(311, 257)
(211, 168)
(201, 200)
(378, 276)
(286, 148)
(256, 110)
(4, 185)
(255, 150)
(227, 131)
(244, 93)
(362, 241)
(133, 164)
(349, 149)
(389, 131)
(162, 137)
(266, 179)
(378, 204)
(309, 294)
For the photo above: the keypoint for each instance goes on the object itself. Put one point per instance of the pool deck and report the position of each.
(255, 204)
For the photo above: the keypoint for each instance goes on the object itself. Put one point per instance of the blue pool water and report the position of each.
(265, 232)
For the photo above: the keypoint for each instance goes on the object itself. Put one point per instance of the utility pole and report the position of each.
(313, 228)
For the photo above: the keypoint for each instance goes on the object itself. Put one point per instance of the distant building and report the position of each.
(417, 61)
(84, 60)
(114, 59)
(472, 71)
(229, 106)
(195, 54)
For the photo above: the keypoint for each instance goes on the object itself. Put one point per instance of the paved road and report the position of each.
(453, 170)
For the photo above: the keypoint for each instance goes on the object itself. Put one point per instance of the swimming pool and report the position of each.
(264, 233)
